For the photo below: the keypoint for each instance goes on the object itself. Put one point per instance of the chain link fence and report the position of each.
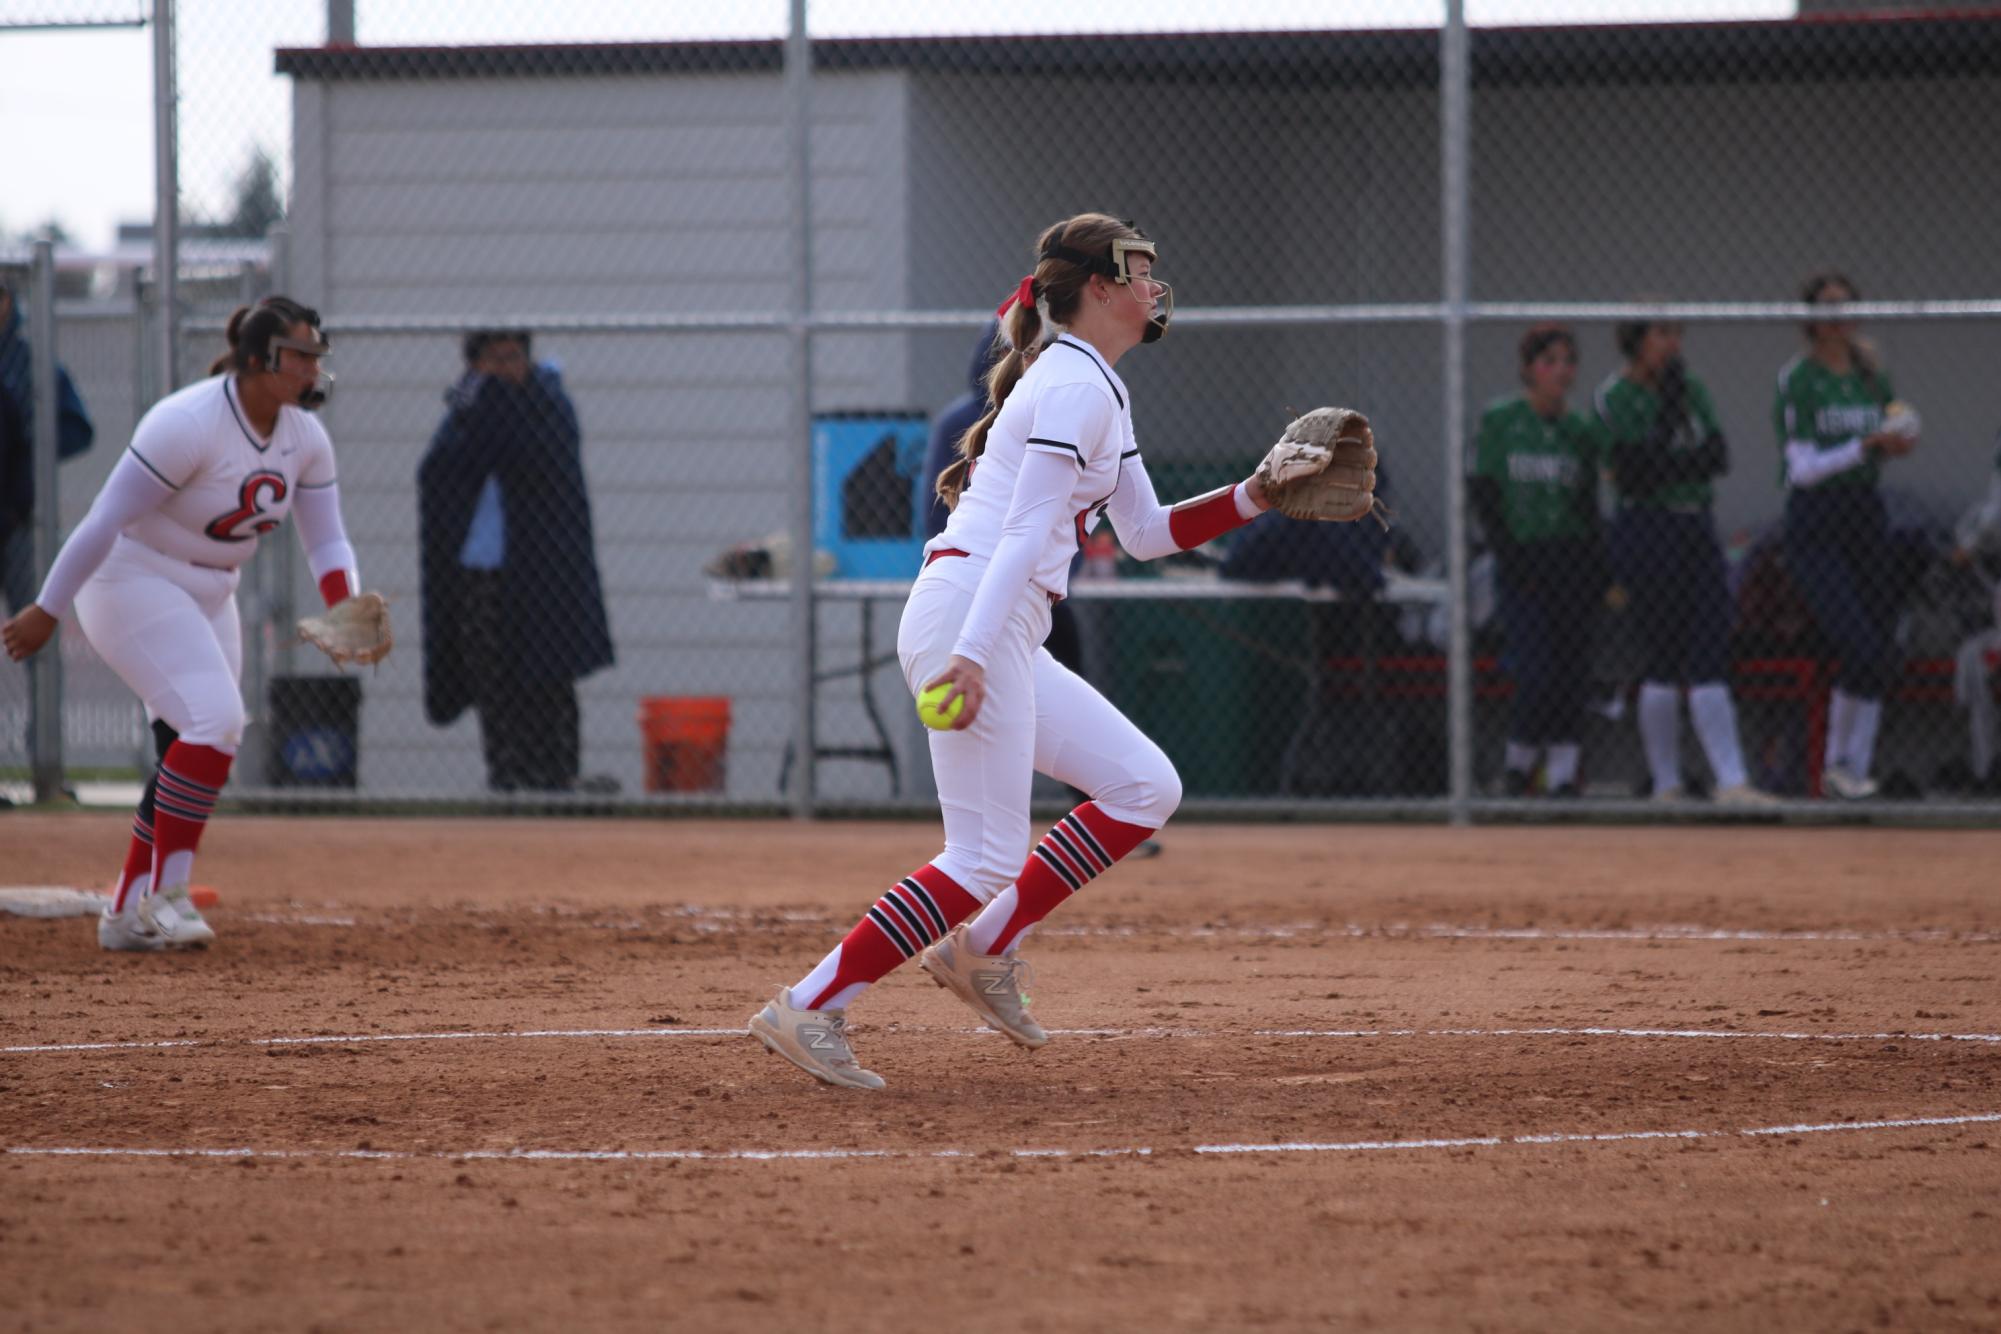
(558, 260)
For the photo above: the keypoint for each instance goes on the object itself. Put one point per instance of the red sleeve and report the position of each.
(334, 587)
(1205, 518)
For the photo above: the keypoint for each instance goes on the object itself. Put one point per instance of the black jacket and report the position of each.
(527, 437)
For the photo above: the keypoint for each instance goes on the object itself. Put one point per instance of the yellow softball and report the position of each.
(928, 712)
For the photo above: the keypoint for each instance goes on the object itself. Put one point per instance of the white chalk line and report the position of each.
(710, 920)
(472, 1035)
(1132, 1151)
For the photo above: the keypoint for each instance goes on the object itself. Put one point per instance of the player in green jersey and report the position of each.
(1830, 414)
(1665, 444)
(1534, 488)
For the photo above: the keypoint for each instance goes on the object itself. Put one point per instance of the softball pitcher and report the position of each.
(1835, 430)
(151, 575)
(1053, 456)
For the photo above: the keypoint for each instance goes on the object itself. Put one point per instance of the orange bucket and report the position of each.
(686, 739)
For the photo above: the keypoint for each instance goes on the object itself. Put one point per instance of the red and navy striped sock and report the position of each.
(1078, 848)
(190, 781)
(138, 857)
(915, 912)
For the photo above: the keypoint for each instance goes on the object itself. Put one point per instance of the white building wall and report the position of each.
(509, 198)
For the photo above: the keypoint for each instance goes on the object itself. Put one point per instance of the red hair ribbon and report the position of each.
(1025, 294)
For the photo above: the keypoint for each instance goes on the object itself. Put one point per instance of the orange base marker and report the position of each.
(204, 896)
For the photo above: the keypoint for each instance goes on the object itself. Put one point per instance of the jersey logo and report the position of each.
(257, 487)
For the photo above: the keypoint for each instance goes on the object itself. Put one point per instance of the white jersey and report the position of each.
(230, 487)
(1069, 403)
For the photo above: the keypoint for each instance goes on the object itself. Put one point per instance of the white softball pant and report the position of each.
(170, 631)
(1039, 716)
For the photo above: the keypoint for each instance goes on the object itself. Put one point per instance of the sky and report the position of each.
(77, 106)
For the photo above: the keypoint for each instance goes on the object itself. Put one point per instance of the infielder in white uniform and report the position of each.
(1053, 456)
(151, 574)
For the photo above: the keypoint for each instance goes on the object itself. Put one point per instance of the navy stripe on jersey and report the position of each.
(1129, 454)
(1079, 347)
(150, 468)
(229, 396)
(1059, 444)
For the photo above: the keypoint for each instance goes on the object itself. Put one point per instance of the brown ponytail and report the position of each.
(1059, 285)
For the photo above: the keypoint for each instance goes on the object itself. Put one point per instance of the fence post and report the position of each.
(166, 195)
(45, 670)
(1454, 215)
(798, 89)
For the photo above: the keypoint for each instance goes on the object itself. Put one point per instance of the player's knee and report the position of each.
(1148, 796)
(216, 721)
(982, 872)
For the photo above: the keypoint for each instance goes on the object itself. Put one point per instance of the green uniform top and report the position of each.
(1826, 410)
(1627, 411)
(1547, 469)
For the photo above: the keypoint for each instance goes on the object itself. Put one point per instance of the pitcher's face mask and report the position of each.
(1117, 266)
(312, 393)
(1139, 279)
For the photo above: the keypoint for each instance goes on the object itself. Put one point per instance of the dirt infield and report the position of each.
(467, 1075)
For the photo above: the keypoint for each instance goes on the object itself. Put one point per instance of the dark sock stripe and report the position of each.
(189, 813)
(930, 905)
(888, 928)
(1077, 826)
(909, 916)
(207, 796)
(1055, 864)
(183, 778)
(1085, 863)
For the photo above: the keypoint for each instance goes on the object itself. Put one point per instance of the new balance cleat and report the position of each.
(1840, 781)
(814, 1040)
(994, 985)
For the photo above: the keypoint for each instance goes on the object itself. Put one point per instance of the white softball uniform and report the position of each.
(152, 570)
(1060, 454)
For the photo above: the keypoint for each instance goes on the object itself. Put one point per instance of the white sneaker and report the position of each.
(1838, 781)
(814, 1040)
(129, 930)
(1744, 796)
(994, 985)
(178, 921)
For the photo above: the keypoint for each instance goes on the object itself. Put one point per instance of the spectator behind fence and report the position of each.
(1829, 414)
(513, 608)
(74, 433)
(1977, 547)
(1535, 490)
(954, 420)
(1665, 444)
